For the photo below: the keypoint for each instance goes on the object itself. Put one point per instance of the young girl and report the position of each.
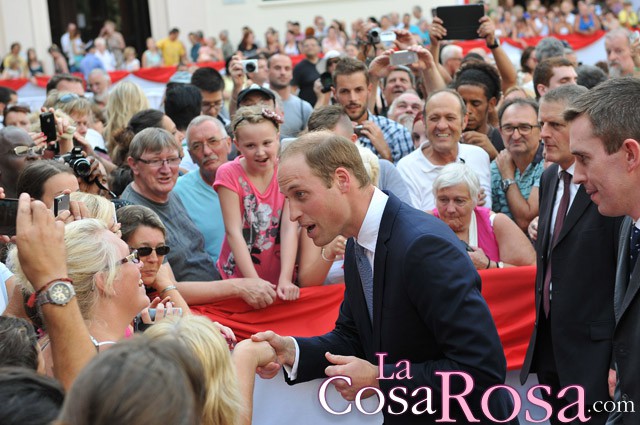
(260, 239)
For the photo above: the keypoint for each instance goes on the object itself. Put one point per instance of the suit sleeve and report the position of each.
(444, 287)
(342, 340)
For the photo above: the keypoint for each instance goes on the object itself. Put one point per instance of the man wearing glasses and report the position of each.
(16, 148)
(211, 86)
(516, 171)
(209, 146)
(154, 160)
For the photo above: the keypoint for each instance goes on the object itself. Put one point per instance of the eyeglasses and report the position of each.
(206, 106)
(27, 150)
(212, 143)
(523, 129)
(145, 251)
(157, 163)
(131, 258)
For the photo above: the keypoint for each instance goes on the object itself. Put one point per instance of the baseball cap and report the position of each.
(254, 88)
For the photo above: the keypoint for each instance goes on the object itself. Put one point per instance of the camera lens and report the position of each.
(250, 67)
(81, 167)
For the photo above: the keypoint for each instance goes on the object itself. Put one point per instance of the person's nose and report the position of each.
(579, 173)
(544, 131)
(294, 211)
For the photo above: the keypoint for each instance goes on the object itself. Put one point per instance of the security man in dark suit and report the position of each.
(576, 258)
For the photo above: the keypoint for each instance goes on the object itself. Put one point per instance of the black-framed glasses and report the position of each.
(131, 258)
(145, 251)
(157, 163)
(523, 129)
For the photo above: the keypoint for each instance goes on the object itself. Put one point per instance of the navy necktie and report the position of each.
(366, 276)
(562, 212)
(634, 248)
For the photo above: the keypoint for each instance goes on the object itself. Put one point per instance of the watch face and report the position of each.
(60, 293)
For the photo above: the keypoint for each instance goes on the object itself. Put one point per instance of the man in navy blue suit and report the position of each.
(411, 292)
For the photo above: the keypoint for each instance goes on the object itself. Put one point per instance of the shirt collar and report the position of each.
(570, 170)
(368, 234)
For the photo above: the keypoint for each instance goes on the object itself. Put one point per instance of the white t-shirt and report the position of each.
(419, 174)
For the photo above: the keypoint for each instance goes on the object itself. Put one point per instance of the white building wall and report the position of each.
(27, 22)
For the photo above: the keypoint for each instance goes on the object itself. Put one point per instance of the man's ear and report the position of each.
(492, 103)
(542, 89)
(342, 179)
(631, 148)
(133, 165)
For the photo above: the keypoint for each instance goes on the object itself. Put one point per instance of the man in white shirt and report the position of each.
(445, 118)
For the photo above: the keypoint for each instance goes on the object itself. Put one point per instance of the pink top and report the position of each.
(261, 215)
(486, 238)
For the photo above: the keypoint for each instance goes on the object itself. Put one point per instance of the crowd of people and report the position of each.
(402, 181)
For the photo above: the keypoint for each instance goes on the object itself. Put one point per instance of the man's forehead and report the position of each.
(166, 150)
(399, 74)
(205, 131)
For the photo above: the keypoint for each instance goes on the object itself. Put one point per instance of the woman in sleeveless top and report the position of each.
(492, 240)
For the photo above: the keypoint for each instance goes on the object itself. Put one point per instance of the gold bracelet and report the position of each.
(325, 258)
(167, 289)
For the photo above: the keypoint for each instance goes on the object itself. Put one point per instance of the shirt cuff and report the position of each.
(292, 371)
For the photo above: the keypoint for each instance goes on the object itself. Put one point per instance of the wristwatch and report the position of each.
(495, 45)
(500, 264)
(506, 183)
(58, 293)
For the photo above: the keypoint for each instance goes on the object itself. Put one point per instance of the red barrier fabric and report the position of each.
(509, 294)
(314, 313)
(576, 41)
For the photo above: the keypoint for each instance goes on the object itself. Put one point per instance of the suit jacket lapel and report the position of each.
(544, 229)
(622, 270)
(578, 207)
(379, 264)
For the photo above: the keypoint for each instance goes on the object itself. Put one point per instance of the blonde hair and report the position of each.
(87, 256)
(99, 207)
(254, 114)
(125, 100)
(203, 338)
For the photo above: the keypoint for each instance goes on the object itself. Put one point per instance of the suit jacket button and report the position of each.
(625, 397)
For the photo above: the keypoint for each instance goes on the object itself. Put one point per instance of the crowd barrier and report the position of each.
(509, 294)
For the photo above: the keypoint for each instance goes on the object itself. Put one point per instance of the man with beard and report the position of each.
(99, 82)
(618, 48)
(296, 111)
(479, 85)
(386, 138)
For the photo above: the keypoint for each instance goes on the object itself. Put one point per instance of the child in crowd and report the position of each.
(260, 239)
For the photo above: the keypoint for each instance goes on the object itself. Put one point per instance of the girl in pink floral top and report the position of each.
(260, 239)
